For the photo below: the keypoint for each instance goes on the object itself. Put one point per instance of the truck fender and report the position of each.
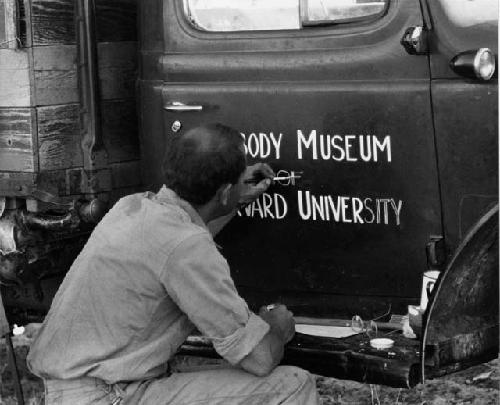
(461, 325)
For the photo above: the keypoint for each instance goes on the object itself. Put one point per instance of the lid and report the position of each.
(381, 343)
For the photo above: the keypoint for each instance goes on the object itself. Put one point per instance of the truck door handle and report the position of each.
(415, 40)
(181, 107)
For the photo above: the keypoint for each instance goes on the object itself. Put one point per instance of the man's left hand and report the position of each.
(257, 178)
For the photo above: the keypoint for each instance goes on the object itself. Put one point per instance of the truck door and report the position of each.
(325, 92)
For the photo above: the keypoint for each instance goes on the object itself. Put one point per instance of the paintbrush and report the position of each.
(255, 180)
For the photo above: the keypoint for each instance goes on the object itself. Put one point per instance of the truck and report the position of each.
(380, 115)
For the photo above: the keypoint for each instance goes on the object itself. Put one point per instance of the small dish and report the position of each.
(381, 343)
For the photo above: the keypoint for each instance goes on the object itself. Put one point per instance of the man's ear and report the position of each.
(223, 193)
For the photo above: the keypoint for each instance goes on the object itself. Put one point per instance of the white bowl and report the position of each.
(381, 343)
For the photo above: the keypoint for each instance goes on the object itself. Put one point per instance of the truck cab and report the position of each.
(381, 115)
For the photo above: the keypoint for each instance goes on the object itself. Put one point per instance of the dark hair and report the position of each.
(201, 160)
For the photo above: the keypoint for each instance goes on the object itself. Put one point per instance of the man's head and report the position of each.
(205, 161)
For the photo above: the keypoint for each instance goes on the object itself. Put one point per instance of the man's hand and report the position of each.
(281, 321)
(257, 178)
(269, 351)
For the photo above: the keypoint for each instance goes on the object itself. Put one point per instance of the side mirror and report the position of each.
(475, 64)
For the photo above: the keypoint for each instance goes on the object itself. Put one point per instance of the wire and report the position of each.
(16, 39)
(384, 315)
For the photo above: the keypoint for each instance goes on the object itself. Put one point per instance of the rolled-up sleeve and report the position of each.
(197, 278)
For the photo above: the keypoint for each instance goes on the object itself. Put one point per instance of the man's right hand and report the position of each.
(269, 351)
(281, 321)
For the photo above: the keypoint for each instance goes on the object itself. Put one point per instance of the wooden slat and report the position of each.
(13, 60)
(16, 184)
(59, 140)
(55, 57)
(53, 22)
(116, 20)
(56, 87)
(16, 140)
(15, 88)
(117, 69)
(56, 76)
(120, 130)
(15, 121)
(8, 24)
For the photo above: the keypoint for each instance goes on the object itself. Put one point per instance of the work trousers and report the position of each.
(204, 385)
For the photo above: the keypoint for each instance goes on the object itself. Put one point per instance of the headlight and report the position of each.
(476, 64)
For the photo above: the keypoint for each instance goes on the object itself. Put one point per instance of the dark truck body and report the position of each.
(397, 153)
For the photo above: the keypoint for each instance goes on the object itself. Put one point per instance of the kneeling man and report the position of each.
(149, 275)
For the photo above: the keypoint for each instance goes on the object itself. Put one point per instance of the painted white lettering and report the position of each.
(267, 202)
(253, 145)
(348, 145)
(304, 214)
(386, 144)
(248, 210)
(334, 208)
(344, 203)
(277, 144)
(397, 210)
(267, 206)
(365, 150)
(357, 209)
(385, 202)
(348, 210)
(281, 207)
(256, 207)
(318, 208)
(370, 211)
(324, 146)
(244, 142)
(264, 145)
(349, 148)
(339, 148)
(310, 142)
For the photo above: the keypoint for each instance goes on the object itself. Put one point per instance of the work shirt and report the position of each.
(149, 275)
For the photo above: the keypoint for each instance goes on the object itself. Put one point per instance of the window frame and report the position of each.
(304, 27)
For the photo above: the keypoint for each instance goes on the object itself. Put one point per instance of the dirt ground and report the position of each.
(477, 385)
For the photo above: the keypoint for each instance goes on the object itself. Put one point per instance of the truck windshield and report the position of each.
(465, 13)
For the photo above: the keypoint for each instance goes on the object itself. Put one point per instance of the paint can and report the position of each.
(428, 282)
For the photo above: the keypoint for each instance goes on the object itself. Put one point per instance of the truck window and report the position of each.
(339, 11)
(465, 13)
(264, 15)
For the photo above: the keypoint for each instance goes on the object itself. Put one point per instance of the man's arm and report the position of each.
(269, 351)
(197, 278)
(252, 191)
